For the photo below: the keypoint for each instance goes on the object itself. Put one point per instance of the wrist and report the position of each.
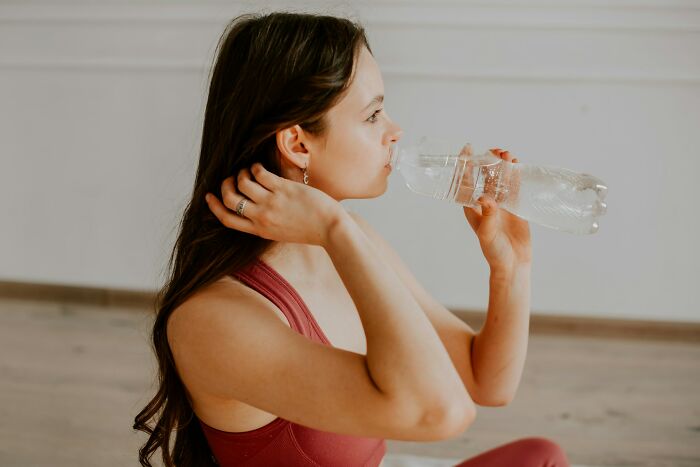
(508, 272)
(337, 224)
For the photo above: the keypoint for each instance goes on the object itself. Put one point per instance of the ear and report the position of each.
(292, 144)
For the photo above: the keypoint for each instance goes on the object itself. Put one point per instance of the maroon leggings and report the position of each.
(526, 452)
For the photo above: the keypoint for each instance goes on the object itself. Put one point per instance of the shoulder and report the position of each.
(214, 305)
(364, 225)
(225, 288)
(383, 247)
(356, 216)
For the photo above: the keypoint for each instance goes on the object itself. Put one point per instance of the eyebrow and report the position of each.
(377, 100)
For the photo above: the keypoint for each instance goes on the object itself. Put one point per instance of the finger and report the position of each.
(227, 217)
(229, 194)
(466, 183)
(488, 207)
(466, 150)
(231, 197)
(489, 220)
(228, 191)
(473, 217)
(265, 177)
(251, 188)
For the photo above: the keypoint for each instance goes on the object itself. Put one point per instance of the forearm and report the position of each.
(405, 356)
(500, 347)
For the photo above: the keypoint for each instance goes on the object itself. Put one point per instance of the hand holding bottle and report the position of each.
(504, 237)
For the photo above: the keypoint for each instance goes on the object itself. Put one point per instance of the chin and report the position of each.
(381, 189)
(376, 188)
(369, 194)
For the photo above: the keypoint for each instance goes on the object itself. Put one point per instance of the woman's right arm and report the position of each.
(404, 388)
(405, 356)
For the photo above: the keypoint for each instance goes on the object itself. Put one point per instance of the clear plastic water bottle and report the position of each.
(549, 196)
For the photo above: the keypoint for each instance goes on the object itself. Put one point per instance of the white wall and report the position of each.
(101, 108)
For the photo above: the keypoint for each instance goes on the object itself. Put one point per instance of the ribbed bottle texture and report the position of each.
(553, 197)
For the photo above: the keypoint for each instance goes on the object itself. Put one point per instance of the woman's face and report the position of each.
(350, 161)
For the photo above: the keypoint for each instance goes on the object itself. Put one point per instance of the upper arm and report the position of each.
(234, 346)
(455, 334)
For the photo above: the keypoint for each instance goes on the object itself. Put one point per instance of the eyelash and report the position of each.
(373, 116)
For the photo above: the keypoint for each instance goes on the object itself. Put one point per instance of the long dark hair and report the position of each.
(271, 72)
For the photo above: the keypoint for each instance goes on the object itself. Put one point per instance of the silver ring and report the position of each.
(241, 206)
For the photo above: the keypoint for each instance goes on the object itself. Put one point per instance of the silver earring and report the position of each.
(306, 175)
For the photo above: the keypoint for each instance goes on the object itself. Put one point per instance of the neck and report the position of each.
(297, 256)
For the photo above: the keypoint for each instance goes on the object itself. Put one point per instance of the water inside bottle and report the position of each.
(550, 196)
(559, 199)
(459, 178)
(428, 174)
(484, 175)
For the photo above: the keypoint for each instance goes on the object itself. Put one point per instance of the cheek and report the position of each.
(355, 150)
(367, 141)
(355, 145)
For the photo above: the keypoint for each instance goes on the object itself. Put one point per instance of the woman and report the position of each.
(253, 374)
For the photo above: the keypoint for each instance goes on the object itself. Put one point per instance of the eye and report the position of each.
(373, 117)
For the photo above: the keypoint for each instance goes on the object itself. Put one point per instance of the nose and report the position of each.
(396, 134)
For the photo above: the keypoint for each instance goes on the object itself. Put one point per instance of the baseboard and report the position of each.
(539, 323)
(598, 327)
(78, 294)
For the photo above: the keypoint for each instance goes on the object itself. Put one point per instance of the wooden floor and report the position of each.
(72, 377)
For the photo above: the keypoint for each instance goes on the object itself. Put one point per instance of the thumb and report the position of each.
(489, 218)
(488, 207)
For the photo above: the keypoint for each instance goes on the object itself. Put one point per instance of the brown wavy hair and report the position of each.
(271, 71)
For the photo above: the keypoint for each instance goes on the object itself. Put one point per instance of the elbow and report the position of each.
(450, 420)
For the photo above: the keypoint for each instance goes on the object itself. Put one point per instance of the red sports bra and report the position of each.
(281, 442)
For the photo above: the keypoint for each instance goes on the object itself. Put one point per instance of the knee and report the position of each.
(547, 451)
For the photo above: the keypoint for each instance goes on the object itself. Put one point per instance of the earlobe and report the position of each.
(293, 150)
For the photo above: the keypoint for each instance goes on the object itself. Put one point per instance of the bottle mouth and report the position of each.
(394, 158)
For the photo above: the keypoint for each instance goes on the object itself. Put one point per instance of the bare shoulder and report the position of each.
(374, 236)
(222, 300)
(358, 219)
(384, 248)
(225, 288)
(214, 325)
(213, 322)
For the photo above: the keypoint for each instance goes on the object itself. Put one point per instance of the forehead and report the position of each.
(367, 83)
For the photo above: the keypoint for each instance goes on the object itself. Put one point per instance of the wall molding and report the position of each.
(641, 18)
(191, 66)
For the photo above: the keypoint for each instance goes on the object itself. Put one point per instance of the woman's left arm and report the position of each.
(499, 349)
(500, 346)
